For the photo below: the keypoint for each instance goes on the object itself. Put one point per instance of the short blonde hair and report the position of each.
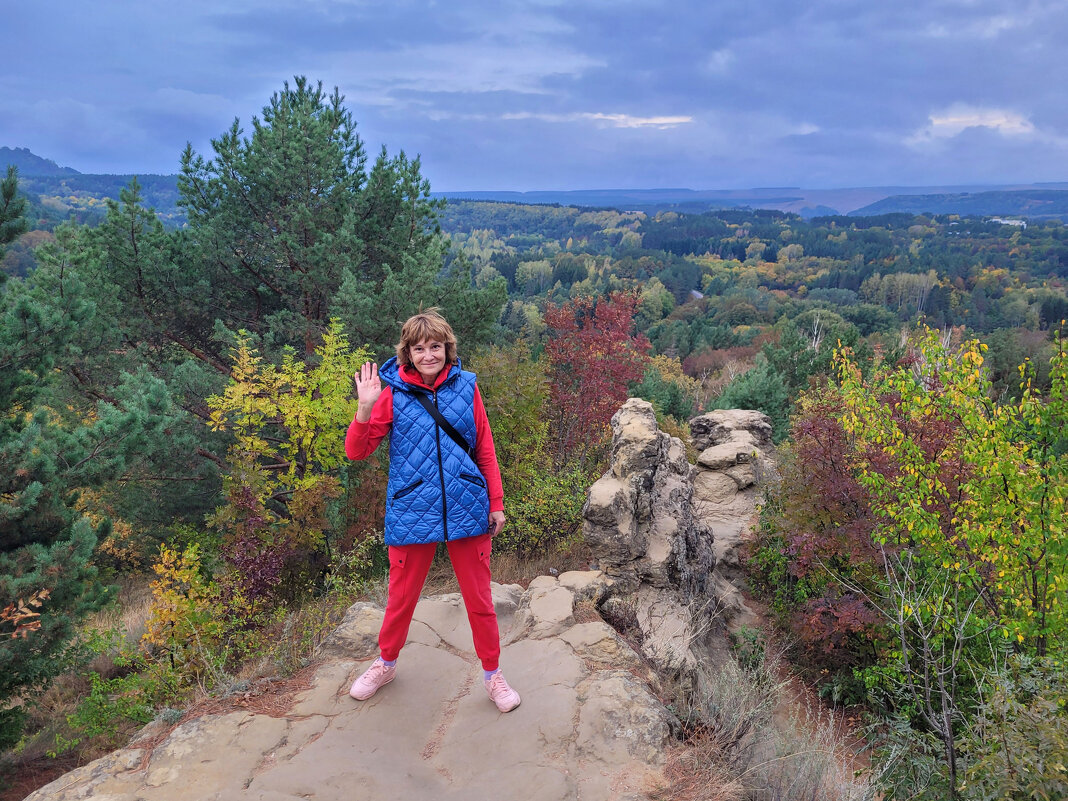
(427, 325)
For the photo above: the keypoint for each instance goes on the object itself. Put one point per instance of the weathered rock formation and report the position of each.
(667, 533)
(735, 459)
(639, 518)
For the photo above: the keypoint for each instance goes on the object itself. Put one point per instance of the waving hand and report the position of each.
(368, 388)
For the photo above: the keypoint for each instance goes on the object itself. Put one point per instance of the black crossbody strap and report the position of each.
(446, 426)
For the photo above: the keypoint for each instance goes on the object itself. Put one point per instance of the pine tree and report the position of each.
(12, 208)
(12, 211)
(290, 228)
(51, 450)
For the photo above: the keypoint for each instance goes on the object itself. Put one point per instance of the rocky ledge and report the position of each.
(588, 728)
(666, 536)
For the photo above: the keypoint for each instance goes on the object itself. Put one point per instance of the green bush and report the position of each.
(544, 510)
(1017, 746)
(109, 708)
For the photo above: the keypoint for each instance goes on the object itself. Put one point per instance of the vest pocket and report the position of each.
(409, 489)
(473, 479)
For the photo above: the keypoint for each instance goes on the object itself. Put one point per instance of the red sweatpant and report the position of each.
(408, 566)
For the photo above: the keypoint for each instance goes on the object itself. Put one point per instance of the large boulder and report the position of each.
(638, 518)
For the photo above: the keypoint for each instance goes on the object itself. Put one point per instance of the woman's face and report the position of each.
(428, 357)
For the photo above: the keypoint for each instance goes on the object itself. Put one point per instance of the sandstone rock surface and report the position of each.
(588, 728)
(638, 517)
(735, 459)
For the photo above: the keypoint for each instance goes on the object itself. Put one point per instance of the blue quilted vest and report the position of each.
(436, 491)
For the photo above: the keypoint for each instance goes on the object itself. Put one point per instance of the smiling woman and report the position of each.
(444, 486)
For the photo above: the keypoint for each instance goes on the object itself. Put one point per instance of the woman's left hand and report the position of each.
(496, 523)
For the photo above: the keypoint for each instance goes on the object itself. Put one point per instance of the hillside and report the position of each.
(1032, 203)
(84, 196)
(29, 164)
(68, 191)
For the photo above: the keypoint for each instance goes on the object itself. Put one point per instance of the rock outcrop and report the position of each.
(735, 458)
(665, 534)
(668, 533)
(639, 519)
(588, 728)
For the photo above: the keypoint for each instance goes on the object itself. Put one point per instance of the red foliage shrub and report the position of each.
(593, 357)
(818, 535)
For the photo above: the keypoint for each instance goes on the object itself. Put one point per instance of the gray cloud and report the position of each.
(584, 93)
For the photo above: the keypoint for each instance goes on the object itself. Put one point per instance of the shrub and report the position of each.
(184, 622)
(543, 494)
(105, 714)
(813, 551)
(288, 422)
(1017, 746)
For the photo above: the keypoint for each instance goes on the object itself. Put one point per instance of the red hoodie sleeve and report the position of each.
(486, 455)
(362, 438)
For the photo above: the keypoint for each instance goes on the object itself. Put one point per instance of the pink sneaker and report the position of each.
(375, 677)
(501, 694)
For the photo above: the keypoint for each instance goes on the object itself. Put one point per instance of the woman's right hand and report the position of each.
(368, 388)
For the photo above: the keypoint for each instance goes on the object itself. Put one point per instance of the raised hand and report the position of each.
(368, 388)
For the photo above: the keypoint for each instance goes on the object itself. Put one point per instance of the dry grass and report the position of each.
(812, 761)
(32, 774)
(127, 614)
(736, 747)
(586, 611)
(693, 773)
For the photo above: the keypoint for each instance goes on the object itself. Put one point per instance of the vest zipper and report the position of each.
(441, 475)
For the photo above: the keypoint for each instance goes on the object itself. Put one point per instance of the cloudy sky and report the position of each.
(564, 94)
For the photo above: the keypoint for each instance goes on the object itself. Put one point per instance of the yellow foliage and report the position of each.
(183, 620)
(1010, 480)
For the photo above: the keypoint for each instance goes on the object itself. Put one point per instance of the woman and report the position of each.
(440, 489)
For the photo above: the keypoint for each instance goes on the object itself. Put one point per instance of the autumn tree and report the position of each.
(594, 356)
(288, 423)
(969, 499)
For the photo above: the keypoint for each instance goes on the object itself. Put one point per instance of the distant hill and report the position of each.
(65, 190)
(29, 164)
(1034, 203)
(650, 201)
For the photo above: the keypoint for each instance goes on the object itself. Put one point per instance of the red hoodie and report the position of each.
(362, 438)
